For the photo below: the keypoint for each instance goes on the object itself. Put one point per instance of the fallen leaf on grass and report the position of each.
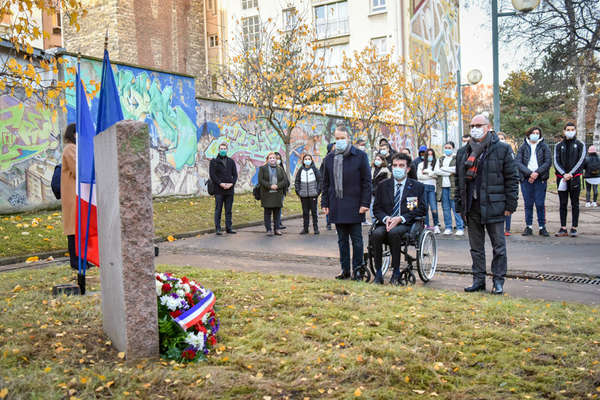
(357, 392)
(170, 238)
(3, 393)
(16, 289)
(47, 369)
(418, 391)
(121, 355)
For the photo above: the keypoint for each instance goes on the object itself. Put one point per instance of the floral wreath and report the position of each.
(187, 323)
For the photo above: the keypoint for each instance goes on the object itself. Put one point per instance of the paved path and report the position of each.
(251, 250)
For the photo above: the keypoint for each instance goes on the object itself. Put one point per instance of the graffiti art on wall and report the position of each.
(29, 143)
(166, 102)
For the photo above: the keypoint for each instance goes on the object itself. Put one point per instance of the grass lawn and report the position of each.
(28, 233)
(285, 337)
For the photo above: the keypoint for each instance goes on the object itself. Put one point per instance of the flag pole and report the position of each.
(80, 277)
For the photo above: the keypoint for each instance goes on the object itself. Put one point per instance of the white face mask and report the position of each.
(570, 134)
(477, 133)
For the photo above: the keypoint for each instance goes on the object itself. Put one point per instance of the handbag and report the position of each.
(256, 192)
(210, 187)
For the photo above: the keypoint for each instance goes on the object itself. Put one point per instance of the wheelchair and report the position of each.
(425, 249)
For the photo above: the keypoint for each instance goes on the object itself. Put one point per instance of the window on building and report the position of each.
(332, 20)
(332, 58)
(380, 45)
(290, 18)
(213, 41)
(377, 5)
(251, 30)
(246, 4)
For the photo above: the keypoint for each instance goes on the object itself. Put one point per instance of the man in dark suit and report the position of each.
(398, 201)
(223, 172)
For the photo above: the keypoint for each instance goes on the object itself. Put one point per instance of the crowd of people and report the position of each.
(477, 186)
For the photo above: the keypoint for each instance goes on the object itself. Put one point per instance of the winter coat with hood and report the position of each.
(308, 181)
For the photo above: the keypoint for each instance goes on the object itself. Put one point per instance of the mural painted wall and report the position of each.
(435, 30)
(29, 150)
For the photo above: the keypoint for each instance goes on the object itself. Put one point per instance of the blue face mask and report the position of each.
(384, 152)
(341, 144)
(307, 163)
(429, 158)
(534, 137)
(448, 152)
(399, 173)
(222, 153)
(377, 163)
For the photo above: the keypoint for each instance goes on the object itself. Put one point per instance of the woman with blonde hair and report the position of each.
(273, 183)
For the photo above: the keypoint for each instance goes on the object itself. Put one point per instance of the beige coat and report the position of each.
(67, 189)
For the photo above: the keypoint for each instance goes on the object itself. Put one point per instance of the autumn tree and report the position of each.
(282, 75)
(424, 97)
(20, 71)
(368, 97)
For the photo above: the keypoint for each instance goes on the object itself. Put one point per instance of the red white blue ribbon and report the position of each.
(194, 315)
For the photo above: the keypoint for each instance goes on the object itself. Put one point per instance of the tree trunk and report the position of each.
(581, 81)
(597, 125)
(287, 144)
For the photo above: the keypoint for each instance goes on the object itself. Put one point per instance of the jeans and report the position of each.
(534, 193)
(345, 232)
(449, 208)
(276, 212)
(220, 200)
(279, 214)
(309, 206)
(507, 220)
(431, 203)
(477, 243)
(589, 188)
(573, 190)
(394, 239)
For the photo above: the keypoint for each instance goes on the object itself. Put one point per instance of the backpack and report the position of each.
(256, 191)
(55, 183)
(210, 187)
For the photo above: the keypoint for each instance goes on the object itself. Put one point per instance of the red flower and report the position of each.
(188, 354)
(200, 327)
(212, 322)
(158, 278)
(212, 340)
(189, 298)
(185, 280)
(166, 287)
(175, 313)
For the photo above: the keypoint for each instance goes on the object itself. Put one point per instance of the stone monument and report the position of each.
(126, 234)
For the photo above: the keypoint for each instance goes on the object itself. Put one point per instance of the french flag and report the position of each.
(194, 315)
(109, 113)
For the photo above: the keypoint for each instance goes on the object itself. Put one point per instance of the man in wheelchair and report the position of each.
(399, 202)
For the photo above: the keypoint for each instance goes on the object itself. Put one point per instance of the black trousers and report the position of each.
(72, 252)
(393, 238)
(477, 242)
(572, 192)
(276, 213)
(220, 200)
(309, 206)
(591, 188)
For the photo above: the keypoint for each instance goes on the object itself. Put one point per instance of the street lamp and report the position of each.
(523, 6)
(473, 77)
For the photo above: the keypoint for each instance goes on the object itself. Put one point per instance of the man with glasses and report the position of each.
(487, 183)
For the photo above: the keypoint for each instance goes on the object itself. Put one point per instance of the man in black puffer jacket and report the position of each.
(487, 189)
(534, 161)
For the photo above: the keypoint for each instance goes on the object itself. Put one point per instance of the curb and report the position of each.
(60, 253)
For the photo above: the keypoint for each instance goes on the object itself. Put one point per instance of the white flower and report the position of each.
(180, 293)
(205, 318)
(186, 287)
(195, 339)
(171, 302)
(158, 287)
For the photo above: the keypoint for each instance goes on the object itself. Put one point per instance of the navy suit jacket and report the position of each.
(384, 200)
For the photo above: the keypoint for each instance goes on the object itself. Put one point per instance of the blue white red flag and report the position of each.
(194, 315)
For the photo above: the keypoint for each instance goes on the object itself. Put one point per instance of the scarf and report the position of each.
(273, 176)
(477, 148)
(338, 171)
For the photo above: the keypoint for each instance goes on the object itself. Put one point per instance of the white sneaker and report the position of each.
(460, 232)
(588, 204)
(594, 204)
(436, 229)
(448, 231)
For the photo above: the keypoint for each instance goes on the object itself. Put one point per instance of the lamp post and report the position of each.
(473, 77)
(523, 6)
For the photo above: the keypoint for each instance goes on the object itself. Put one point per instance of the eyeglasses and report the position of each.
(477, 125)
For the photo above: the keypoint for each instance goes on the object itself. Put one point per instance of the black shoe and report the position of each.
(277, 233)
(573, 232)
(231, 231)
(497, 289)
(544, 232)
(395, 280)
(476, 287)
(304, 231)
(561, 233)
(328, 227)
(378, 278)
(527, 231)
(218, 232)
(282, 227)
(269, 233)
(317, 231)
(343, 276)
(358, 275)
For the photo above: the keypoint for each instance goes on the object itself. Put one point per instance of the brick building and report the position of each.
(162, 34)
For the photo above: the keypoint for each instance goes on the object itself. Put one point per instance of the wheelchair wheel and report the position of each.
(386, 260)
(427, 255)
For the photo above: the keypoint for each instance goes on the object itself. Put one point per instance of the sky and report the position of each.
(476, 42)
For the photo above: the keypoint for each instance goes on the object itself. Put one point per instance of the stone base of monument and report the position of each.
(68, 289)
